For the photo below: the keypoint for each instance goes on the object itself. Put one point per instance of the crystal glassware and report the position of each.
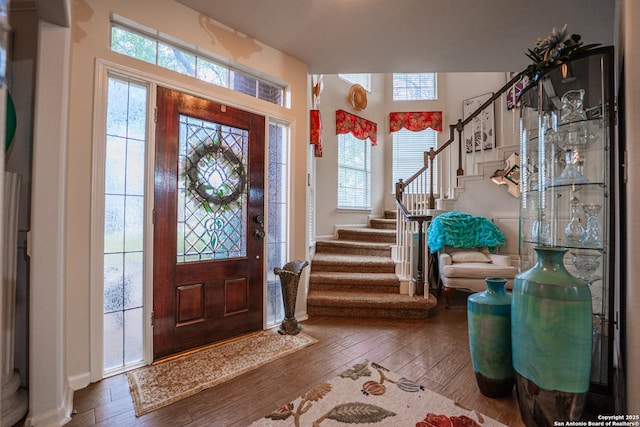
(572, 136)
(541, 230)
(586, 264)
(592, 232)
(574, 231)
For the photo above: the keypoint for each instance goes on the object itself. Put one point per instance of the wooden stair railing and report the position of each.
(414, 208)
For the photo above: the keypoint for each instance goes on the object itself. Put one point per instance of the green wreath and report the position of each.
(202, 188)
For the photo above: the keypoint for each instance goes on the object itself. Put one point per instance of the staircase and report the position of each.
(354, 276)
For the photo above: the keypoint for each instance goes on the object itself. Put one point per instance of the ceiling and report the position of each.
(375, 36)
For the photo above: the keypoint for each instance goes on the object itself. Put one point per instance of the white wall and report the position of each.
(335, 97)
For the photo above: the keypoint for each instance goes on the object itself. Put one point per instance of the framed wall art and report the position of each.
(479, 134)
(514, 91)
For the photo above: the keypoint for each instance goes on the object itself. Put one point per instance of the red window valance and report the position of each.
(415, 121)
(359, 127)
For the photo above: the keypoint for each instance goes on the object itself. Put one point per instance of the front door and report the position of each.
(208, 223)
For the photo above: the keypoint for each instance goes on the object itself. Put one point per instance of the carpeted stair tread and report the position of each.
(351, 277)
(354, 282)
(367, 234)
(353, 247)
(357, 304)
(355, 263)
(383, 223)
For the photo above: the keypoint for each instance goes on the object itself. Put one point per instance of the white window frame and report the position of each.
(346, 164)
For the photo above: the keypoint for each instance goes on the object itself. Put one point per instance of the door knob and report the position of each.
(258, 234)
(258, 219)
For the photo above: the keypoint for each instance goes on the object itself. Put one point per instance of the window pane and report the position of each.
(277, 218)
(212, 73)
(408, 153)
(363, 79)
(177, 60)
(123, 271)
(167, 54)
(133, 45)
(354, 172)
(414, 86)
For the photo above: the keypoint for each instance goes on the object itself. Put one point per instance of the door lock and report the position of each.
(258, 234)
(258, 219)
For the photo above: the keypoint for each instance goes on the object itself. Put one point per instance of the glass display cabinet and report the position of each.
(567, 132)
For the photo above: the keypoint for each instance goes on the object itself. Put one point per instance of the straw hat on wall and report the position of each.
(358, 97)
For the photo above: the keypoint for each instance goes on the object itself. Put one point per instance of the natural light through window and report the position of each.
(415, 86)
(408, 153)
(354, 172)
(124, 223)
(363, 79)
(153, 49)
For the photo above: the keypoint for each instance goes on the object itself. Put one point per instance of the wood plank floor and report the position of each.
(433, 352)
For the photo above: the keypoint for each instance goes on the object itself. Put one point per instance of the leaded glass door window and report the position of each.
(208, 223)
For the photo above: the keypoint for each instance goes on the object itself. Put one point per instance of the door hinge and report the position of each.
(155, 114)
(153, 216)
(153, 319)
(625, 175)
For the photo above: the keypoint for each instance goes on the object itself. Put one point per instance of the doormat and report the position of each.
(161, 384)
(368, 393)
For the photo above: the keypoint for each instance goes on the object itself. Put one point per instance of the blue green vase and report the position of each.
(551, 325)
(489, 320)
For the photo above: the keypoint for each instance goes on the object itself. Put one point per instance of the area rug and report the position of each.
(161, 384)
(370, 394)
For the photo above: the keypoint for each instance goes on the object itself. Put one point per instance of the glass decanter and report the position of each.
(592, 232)
(572, 136)
(574, 231)
(586, 264)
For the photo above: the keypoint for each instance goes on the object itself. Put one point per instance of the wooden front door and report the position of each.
(208, 223)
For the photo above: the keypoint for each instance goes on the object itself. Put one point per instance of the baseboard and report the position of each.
(56, 417)
(80, 381)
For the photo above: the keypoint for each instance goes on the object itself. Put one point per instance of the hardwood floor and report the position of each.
(433, 352)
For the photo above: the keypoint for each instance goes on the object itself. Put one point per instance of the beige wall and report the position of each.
(91, 35)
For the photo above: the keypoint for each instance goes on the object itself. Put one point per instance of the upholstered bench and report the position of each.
(467, 268)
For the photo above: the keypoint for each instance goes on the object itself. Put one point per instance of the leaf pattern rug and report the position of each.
(161, 384)
(368, 394)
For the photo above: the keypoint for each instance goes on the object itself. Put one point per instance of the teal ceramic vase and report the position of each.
(489, 320)
(551, 325)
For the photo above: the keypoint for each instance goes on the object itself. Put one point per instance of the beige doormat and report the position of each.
(161, 384)
(370, 394)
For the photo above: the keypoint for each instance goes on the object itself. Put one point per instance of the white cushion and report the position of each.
(478, 270)
(469, 256)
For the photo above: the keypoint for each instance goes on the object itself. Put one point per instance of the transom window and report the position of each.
(190, 61)
(408, 153)
(415, 86)
(354, 172)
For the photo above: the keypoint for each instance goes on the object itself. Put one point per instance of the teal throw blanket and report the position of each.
(462, 230)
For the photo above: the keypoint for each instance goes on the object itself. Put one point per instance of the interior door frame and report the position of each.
(221, 95)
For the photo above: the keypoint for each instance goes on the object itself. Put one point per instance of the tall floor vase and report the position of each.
(489, 320)
(551, 326)
(289, 276)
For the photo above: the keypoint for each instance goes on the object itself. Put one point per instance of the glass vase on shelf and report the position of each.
(541, 230)
(574, 231)
(572, 137)
(592, 232)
